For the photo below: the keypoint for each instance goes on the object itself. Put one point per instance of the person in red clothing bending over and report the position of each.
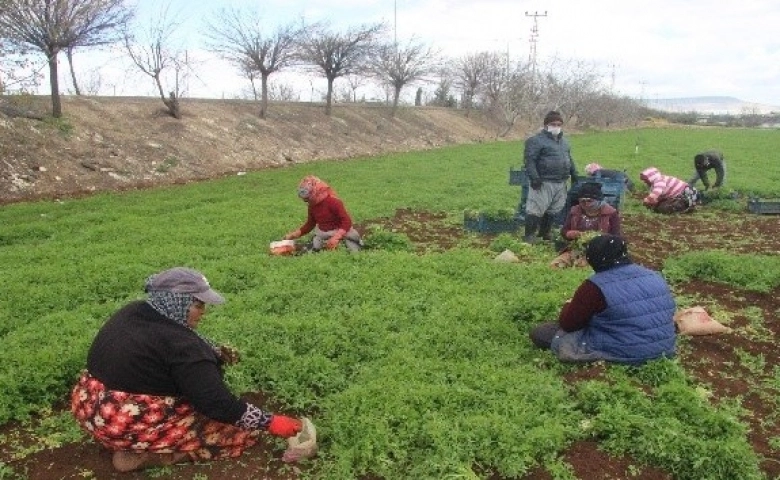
(327, 217)
(667, 194)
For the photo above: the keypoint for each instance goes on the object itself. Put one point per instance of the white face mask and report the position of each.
(554, 130)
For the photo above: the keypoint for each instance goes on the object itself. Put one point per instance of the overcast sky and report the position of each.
(651, 49)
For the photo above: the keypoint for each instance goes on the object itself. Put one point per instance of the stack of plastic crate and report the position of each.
(612, 188)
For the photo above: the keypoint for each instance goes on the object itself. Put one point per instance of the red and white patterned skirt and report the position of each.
(149, 423)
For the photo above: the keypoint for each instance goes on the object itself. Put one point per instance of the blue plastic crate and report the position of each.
(764, 206)
(486, 225)
(612, 188)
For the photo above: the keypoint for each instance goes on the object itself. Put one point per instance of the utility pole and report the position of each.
(612, 78)
(395, 24)
(642, 101)
(534, 38)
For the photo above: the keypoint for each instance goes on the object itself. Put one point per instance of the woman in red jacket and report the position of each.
(327, 217)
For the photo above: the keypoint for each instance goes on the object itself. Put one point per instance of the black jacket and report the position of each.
(711, 159)
(140, 351)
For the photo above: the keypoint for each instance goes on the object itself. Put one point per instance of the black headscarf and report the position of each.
(591, 190)
(607, 251)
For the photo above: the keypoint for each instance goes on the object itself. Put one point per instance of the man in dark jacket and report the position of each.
(548, 164)
(709, 160)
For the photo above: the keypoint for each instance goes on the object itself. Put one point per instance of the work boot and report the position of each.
(545, 225)
(531, 224)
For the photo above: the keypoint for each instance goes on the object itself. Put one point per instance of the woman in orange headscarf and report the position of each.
(327, 217)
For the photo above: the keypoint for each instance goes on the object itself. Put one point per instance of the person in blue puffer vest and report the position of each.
(623, 313)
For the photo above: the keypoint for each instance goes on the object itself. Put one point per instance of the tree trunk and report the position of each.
(69, 53)
(56, 105)
(159, 87)
(396, 96)
(173, 106)
(173, 103)
(254, 88)
(329, 97)
(264, 94)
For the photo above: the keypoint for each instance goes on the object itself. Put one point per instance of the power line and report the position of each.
(534, 38)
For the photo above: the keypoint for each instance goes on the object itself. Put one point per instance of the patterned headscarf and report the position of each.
(607, 251)
(173, 306)
(314, 190)
(592, 168)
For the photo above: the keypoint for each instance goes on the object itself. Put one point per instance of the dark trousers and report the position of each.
(543, 334)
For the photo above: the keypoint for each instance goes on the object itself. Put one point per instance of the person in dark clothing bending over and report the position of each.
(153, 391)
(709, 160)
(548, 164)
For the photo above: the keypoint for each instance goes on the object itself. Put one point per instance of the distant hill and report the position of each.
(710, 105)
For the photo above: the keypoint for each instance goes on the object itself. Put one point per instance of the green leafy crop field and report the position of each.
(411, 365)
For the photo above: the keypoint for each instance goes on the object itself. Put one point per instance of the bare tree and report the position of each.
(604, 110)
(251, 75)
(442, 96)
(153, 55)
(280, 92)
(354, 82)
(470, 75)
(69, 55)
(495, 79)
(18, 70)
(398, 67)
(338, 54)
(570, 84)
(51, 26)
(514, 94)
(94, 82)
(240, 37)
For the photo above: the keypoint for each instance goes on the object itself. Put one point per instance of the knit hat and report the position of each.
(606, 251)
(552, 116)
(591, 190)
(592, 168)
